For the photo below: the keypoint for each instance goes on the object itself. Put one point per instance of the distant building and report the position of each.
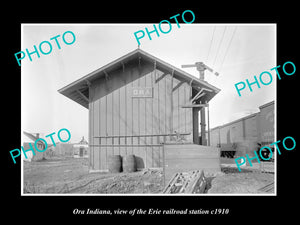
(64, 149)
(60, 149)
(81, 149)
(40, 145)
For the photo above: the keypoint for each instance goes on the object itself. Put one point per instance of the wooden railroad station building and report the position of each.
(136, 103)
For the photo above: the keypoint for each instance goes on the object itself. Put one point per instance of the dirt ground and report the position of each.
(70, 175)
(248, 181)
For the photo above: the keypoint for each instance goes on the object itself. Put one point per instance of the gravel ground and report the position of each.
(248, 181)
(70, 175)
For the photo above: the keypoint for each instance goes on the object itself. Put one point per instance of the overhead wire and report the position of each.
(211, 41)
(218, 49)
(226, 51)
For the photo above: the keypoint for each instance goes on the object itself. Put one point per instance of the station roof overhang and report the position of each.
(78, 90)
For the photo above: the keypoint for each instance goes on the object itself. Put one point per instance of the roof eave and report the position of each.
(69, 89)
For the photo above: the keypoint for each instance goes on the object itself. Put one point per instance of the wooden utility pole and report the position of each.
(201, 67)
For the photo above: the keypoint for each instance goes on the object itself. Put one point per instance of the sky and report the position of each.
(236, 51)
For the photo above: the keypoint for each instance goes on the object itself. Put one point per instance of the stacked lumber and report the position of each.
(186, 182)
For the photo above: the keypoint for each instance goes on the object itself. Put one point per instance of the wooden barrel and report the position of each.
(115, 163)
(129, 163)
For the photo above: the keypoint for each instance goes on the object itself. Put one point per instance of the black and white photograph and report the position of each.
(127, 113)
(183, 113)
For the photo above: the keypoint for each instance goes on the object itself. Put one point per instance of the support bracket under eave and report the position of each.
(83, 96)
(88, 83)
(198, 95)
(106, 75)
(123, 66)
(194, 106)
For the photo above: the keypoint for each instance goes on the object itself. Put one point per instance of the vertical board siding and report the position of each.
(175, 93)
(103, 120)
(168, 96)
(113, 111)
(96, 132)
(128, 109)
(91, 133)
(122, 117)
(148, 122)
(109, 119)
(142, 122)
(188, 114)
(152, 76)
(181, 101)
(135, 113)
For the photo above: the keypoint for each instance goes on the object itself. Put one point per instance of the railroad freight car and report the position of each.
(247, 134)
(266, 125)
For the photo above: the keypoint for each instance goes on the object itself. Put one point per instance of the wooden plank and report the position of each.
(167, 105)
(82, 95)
(188, 183)
(112, 120)
(154, 119)
(96, 132)
(129, 107)
(149, 121)
(156, 157)
(161, 157)
(141, 135)
(158, 104)
(109, 122)
(189, 164)
(160, 77)
(171, 103)
(197, 95)
(142, 125)
(102, 118)
(197, 184)
(155, 113)
(122, 120)
(125, 107)
(185, 151)
(175, 94)
(102, 145)
(172, 145)
(91, 133)
(90, 127)
(179, 165)
(193, 106)
(171, 183)
(103, 123)
(184, 158)
(162, 105)
(185, 110)
(196, 138)
(116, 118)
(188, 116)
(177, 107)
(168, 102)
(181, 101)
(135, 113)
(178, 84)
